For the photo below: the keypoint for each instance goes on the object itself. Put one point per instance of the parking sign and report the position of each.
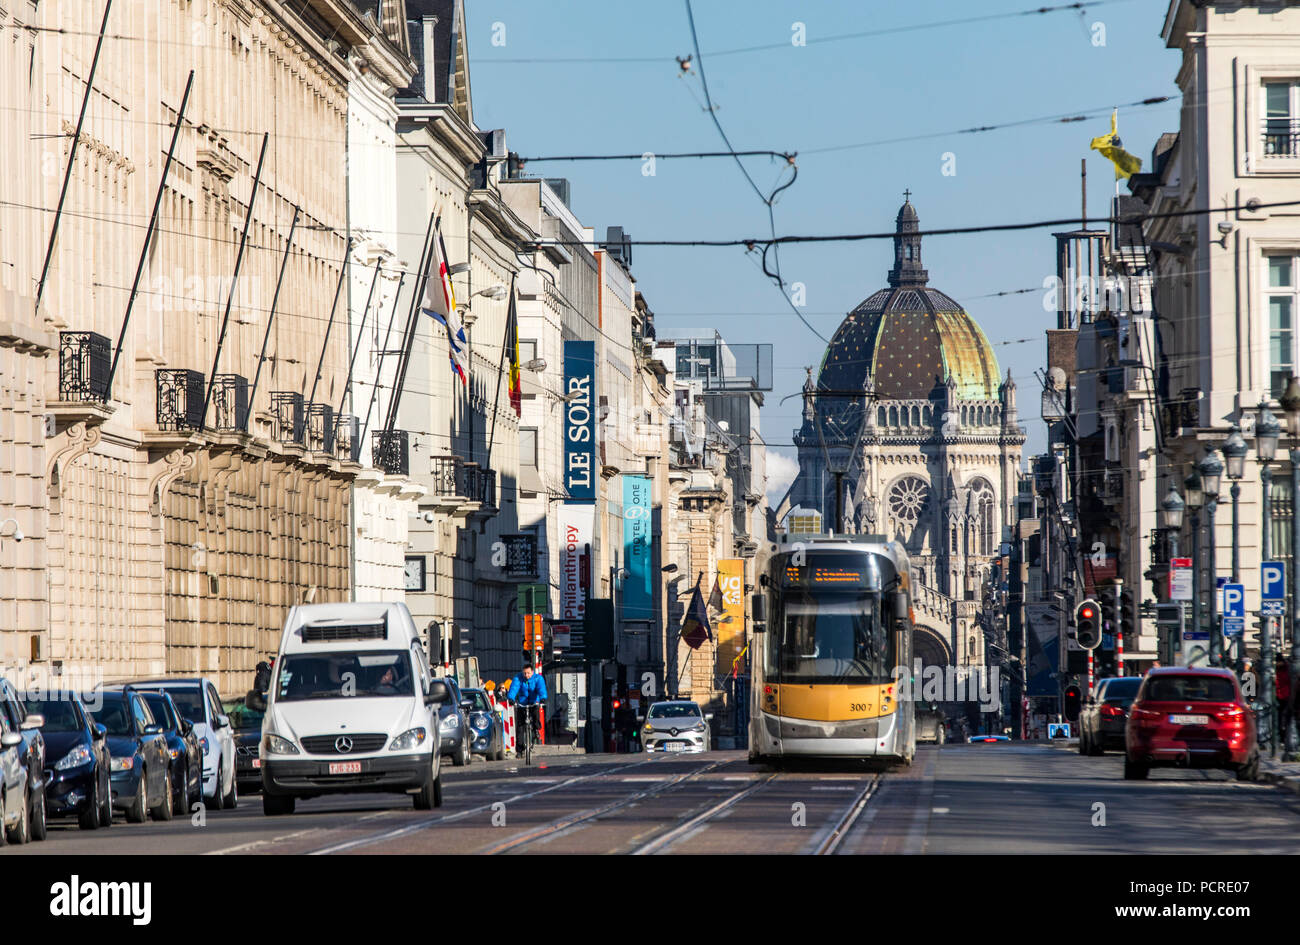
(1234, 600)
(1272, 588)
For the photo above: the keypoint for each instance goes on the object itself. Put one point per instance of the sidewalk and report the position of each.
(1284, 774)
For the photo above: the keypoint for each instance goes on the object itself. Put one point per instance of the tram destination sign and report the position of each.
(853, 572)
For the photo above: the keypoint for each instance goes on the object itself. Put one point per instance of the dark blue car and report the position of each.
(140, 775)
(182, 750)
(76, 761)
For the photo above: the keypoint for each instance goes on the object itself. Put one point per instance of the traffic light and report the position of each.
(1073, 702)
(1087, 624)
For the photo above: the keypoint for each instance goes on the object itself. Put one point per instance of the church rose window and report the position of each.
(908, 499)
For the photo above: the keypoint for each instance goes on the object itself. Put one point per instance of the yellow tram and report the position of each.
(830, 675)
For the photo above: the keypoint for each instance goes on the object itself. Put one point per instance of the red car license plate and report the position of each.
(1189, 720)
(345, 767)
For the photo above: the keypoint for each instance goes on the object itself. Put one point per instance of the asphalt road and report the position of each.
(988, 798)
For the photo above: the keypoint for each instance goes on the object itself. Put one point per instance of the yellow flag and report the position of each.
(1109, 145)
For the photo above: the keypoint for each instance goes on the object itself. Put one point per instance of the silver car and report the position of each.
(675, 726)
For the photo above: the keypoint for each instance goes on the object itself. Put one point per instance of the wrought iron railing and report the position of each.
(454, 477)
(84, 361)
(290, 418)
(230, 402)
(320, 428)
(390, 451)
(1281, 137)
(347, 437)
(180, 399)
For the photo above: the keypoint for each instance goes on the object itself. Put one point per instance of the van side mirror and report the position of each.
(255, 700)
(758, 606)
(437, 693)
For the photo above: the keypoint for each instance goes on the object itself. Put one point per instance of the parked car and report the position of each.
(22, 757)
(489, 737)
(197, 699)
(675, 726)
(183, 750)
(77, 761)
(1190, 717)
(454, 733)
(140, 769)
(930, 725)
(1105, 715)
(246, 723)
(353, 708)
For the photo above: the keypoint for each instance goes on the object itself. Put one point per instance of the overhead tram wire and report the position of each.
(1077, 7)
(769, 200)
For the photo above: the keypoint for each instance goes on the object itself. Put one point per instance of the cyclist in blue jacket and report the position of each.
(527, 692)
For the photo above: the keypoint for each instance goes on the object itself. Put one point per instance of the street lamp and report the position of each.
(1171, 513)
(1234, 454)
(1194, 496)
(1290, 402)
(1211, 470)
(1267, 433)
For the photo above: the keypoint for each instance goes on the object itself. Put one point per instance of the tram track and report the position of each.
(831, 842)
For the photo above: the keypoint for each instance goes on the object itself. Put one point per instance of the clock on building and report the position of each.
(415, 580)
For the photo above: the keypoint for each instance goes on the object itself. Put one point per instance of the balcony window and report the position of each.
(1280, 301)
(1281, 122)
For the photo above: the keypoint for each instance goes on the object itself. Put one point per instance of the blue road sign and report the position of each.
(1272, 608)
(1234, 600)
(1272, 580)
(1058, 729)
(1233, 626)
(1195, 635)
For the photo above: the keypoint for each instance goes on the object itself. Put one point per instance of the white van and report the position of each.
(352, 708)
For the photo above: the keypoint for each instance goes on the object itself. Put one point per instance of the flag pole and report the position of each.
(511, 314)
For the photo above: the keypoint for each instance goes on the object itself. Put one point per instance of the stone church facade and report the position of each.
(909, 432)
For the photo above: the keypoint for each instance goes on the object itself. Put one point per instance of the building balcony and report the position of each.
(390, 450)
(463, 486)
(230, 403)
(180, 395)
(85, 359)
(289, 418)
(1281, 137)
(347, 438)
(320, 428)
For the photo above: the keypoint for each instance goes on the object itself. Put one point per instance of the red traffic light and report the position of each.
(617, 703)
(1086, 612)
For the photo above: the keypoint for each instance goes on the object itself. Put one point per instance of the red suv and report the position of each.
(1190, 717)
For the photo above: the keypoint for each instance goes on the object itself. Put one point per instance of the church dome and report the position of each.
(908, 335)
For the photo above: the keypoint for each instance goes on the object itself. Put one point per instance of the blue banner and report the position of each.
(580, 421)
(638, 594)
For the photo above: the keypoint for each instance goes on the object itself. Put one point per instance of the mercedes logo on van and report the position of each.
(342, 744)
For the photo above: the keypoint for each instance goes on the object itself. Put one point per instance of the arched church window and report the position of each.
(880, 416)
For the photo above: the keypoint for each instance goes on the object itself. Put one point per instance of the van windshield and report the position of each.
(352, 674)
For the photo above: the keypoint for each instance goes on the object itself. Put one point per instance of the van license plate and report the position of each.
(1189, 720)
(345, 767)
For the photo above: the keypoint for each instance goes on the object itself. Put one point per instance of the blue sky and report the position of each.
(825, 95)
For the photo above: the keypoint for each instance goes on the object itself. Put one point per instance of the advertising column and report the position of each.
(577, 526)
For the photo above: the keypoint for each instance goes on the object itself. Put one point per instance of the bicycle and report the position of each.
(529, 711)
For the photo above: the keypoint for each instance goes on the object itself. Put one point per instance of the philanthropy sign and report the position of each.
(580, 421)
(575, 538)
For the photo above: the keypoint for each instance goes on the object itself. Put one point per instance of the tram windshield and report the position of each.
(832, 638)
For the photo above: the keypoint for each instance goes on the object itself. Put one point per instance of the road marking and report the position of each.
(938, 810)
(671, 836)
(260, 843)
(827, 787)
(448, 818)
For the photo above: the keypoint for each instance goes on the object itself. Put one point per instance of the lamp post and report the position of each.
(1194, 498)
(1211, 470)
(1171, 520)
(1290, 401)
(1234, 457)
(1267, 433)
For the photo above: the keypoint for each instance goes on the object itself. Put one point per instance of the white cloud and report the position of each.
(781, 470)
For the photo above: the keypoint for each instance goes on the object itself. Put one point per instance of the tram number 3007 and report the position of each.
(857, 707)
